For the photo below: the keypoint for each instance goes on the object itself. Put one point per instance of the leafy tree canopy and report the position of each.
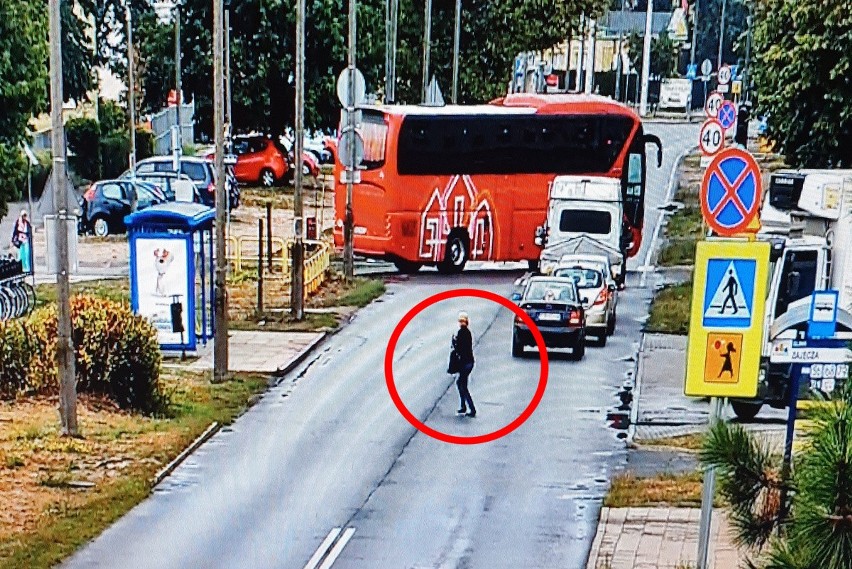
(803, 72)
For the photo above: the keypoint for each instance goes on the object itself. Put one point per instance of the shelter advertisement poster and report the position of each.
(162, 277)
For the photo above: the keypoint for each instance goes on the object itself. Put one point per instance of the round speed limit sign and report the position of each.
(712, 137)
(714, 103)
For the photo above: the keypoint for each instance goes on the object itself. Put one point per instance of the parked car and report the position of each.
(105, 204)
(598, 298)
(259, 160)
(554, 305)
(169, 183)
(200, 171)
(589, 260)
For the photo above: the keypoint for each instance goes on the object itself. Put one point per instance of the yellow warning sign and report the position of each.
(726, 318)
(722, 359)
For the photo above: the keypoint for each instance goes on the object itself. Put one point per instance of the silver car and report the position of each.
(598, 297)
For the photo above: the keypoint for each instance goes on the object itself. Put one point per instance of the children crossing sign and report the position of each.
(726, 318)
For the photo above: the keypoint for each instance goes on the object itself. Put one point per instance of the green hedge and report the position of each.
(117, 354)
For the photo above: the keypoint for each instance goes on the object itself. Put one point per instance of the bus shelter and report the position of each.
(171, 272)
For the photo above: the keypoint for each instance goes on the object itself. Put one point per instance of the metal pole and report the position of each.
(349, 221)
(259, 307)
(220, 342)
(578, 84)
(269, 236)
(229, 118)
(646, 60)
(427, 46)
(618, 67)
(456, 47)
(390, 96)
(297, 278)
(131, 92)
(178, 86)
(590, 66)
(721, 34)
(694, 32)
(707, 493)
(64, 348)
(792, 404)
(746, 90)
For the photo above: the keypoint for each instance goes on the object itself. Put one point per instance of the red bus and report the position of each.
(444, 185)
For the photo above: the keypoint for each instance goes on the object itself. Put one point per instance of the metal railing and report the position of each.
(243, 255)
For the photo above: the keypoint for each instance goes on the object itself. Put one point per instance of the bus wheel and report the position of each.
(456, 254)
(407, 267)
(745, 411)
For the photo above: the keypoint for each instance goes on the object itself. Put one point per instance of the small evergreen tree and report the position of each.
(812, 527)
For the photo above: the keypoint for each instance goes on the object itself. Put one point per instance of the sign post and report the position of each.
(726, 316)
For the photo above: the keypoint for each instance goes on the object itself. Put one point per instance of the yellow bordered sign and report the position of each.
(726, 318)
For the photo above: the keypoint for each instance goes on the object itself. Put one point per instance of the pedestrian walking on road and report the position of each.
(22, 239)
(461, 358)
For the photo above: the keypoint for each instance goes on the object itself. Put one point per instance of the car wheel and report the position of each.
(100, 227)
(267, 178)
(579, 348)
(456, 255)
(517, 347)
(602, 336)
(407, 267)
(746, 410)
(610, 325)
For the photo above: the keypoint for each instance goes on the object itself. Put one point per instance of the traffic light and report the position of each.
(741, 134)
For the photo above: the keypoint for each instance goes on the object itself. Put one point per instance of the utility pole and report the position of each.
(619, 68)
(349, 221)
(646, 60)
(590, 66)
(456, 48)
(297, 278)
(229, 119)
(64, 348)
(581, 55)
(131, 92)
(220, 340)
(721, 35)
(178, 86)
(694, 32)
(391, 23)
(427, 47)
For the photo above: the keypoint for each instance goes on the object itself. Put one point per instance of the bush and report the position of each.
(117, 354)
(84, 138)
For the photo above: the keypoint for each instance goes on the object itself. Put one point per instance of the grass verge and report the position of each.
(630, 491)
(670, 309)
(691, 442)
(43, 516)
(111, 289)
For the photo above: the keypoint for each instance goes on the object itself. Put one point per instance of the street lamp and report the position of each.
(168, 10)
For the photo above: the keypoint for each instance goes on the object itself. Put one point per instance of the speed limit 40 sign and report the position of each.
(711, 139)
(714, 103)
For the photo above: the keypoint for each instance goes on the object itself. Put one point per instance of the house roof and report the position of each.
(629, 22)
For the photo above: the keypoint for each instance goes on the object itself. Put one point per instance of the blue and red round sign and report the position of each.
(727, 114)
(730, 192)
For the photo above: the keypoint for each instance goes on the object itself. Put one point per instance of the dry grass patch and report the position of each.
(680, 490)
(691, 442)
(56, 493)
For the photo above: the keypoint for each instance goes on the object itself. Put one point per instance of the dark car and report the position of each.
(199, 170)
(557, 310)
(106, 203)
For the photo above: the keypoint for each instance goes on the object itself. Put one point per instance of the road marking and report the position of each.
(669, 195)
(330, 549)
(338, 548)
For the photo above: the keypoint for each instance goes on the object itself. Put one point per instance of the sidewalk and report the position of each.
(658, 538)
(261, 352)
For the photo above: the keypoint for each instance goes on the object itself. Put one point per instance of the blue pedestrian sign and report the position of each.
(727, 114)
(729, 293)
(692, 71)
(822, 322)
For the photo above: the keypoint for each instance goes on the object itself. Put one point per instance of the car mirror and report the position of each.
(611, 288)
(516, 296)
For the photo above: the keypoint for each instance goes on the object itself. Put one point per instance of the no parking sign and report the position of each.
(730, 193)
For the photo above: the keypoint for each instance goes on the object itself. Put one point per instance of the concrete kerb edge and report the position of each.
(300, 357)
(200, 440)
(637, 391)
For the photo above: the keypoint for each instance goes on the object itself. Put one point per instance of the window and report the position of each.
(145, 168)
(196, 172)
(798, 278)
(113, 192)
(585, 221)
(583, 278)
(374, 131)
(144, 197)
(550, 291)
(164, 166)
(500, 144)
(241, 147)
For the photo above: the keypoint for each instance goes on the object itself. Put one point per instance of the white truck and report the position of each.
(815, 253)
(584, 216)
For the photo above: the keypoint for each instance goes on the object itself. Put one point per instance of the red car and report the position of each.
(259, 161)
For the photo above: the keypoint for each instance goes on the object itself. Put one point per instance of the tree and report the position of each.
(710, 14)
(77, 56)
(23, 79)
(802, 69)
(663, 54)
(817, 531)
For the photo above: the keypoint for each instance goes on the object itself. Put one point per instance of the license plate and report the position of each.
(550, 317)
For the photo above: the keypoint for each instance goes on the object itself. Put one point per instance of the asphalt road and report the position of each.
(324, 471)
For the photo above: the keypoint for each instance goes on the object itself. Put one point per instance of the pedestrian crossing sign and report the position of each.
(726, 318)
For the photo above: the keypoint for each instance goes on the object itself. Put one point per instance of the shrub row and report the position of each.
(117, 354)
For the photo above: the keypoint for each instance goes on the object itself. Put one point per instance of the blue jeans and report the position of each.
(464, 393)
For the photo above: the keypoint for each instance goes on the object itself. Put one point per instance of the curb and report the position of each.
(170, 467)
(637, 392)
(300, 357)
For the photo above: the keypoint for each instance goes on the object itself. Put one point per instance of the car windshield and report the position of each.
(551, 291)
(585, 278)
